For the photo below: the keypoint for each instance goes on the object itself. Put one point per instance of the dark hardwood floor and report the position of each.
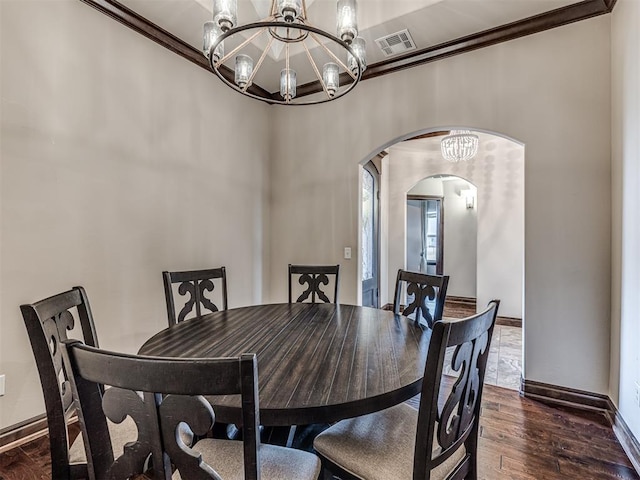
(520, 439)
(525, 439)
(31, 460)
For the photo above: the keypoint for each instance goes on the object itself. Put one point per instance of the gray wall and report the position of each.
(461, 241)
(119, 159)
(550, 91)
(625, 316)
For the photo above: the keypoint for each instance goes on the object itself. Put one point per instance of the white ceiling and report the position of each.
(430, 22)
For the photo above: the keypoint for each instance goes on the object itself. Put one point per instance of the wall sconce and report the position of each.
(469, 196)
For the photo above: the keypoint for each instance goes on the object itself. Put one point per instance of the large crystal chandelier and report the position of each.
(459, 145)
(287, 46)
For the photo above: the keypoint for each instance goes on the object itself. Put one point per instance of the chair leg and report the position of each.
(232, 431)
(292, 434)
(473, 468)
(471, 446)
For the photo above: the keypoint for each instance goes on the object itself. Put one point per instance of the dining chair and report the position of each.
(164, 396)
(193, 283)
(314, 276)
(426, 290)
(437, 441)
(48, 321)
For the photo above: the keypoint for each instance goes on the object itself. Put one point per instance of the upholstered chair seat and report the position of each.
(276, 463)
(380, 446)
(121, 433)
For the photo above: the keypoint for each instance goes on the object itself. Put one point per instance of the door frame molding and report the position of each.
(372, 169)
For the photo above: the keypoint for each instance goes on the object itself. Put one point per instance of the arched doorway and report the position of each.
(498, 173)
(441, 231)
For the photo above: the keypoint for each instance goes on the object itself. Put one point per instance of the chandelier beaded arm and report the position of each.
(287, 25)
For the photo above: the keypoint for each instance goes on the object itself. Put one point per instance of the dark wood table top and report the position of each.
(317, 363)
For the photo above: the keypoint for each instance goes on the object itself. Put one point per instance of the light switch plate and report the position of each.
(1, 385)
(347, 253)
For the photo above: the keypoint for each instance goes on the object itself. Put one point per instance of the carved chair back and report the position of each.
(47, 323)
(314, 277)
(194, 285)
(456, 422)
(428, 294)
(164, 397)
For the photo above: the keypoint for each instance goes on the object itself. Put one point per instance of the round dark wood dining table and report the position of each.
(317, 363)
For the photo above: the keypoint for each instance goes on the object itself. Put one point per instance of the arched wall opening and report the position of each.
(498, 173)
(485, 254)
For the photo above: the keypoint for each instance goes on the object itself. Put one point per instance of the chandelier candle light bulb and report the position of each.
(244, 69)
(290, 10)
(359, 47)
(287, 33)
(225, 13)
(211, 33)
(347, 18)
(331, 78)
(288, 84)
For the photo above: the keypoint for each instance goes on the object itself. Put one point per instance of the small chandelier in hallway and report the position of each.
(459, 145)
(288, 48)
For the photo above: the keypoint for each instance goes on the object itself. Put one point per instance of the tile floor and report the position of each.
(504, 365)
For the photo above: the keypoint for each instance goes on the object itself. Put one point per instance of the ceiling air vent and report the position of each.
(396, 43)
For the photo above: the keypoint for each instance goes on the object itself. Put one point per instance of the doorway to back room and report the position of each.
(441, 230)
